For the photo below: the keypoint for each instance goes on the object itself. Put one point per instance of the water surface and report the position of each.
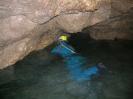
(41, 75)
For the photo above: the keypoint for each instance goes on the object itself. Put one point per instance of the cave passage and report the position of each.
(41, 75)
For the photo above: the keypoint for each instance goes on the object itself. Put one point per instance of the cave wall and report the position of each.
(114, 28)
(27, 25)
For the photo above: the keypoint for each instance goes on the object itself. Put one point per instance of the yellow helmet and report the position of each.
(63, 38)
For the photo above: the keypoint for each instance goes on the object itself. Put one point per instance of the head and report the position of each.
(63, 38)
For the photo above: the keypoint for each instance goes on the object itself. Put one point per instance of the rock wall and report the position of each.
(27, 25)
(114, 28)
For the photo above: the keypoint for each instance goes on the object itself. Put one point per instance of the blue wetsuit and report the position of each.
(74, 62)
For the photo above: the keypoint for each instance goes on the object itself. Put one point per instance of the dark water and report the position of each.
(43, 76)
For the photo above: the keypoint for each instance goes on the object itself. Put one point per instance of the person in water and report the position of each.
(74, 61)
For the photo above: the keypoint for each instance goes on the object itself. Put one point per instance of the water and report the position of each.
(43, 76)
(74, 62)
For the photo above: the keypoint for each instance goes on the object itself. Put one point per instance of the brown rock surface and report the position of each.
(27, 25)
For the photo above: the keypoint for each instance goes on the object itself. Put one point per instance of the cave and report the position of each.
(99, 31)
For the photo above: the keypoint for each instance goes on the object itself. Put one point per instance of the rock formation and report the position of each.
(27, 25)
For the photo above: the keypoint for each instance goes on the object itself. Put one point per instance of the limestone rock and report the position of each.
(27, 25)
